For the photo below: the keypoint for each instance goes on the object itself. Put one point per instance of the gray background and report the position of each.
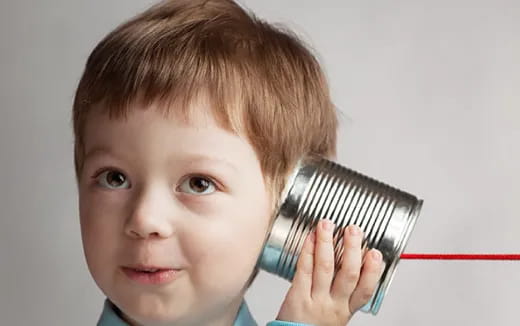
(429, 92)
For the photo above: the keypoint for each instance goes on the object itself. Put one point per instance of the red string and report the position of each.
(461, 256)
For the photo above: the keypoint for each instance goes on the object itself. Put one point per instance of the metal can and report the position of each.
(321, 189)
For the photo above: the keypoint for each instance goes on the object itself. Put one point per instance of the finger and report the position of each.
(302, 280)
(323, 260)
(371, 272)
(347, 276)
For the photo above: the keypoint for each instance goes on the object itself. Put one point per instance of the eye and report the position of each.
(111, 179)
(197, 185)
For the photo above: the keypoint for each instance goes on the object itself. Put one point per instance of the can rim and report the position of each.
(289, 183)
(391, 269)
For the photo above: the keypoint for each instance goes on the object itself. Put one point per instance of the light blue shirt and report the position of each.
(109, 317)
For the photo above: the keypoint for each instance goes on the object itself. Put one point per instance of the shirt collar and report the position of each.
(110, 316)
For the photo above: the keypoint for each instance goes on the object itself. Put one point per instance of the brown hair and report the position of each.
(262, 81)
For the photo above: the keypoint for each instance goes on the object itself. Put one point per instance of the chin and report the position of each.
(151, 320)
(139, 313)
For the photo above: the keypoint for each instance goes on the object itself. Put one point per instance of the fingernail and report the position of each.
(376, 255)
(355, 230)
(328, 225)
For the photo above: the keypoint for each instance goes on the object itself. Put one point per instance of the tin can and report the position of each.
(321, 189)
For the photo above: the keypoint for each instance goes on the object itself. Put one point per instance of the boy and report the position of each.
(187, 120)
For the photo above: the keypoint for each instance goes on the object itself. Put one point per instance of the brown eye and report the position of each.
(198, 186)
(112, 179)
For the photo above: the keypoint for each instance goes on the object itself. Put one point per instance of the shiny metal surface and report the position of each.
(321, 189)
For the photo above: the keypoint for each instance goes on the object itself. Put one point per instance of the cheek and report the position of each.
(98, 232)
(221, 263)
(226, 250)
(100, 217)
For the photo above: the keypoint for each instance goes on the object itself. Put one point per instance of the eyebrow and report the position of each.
(203, 157)
(100, 150)
(96, 151)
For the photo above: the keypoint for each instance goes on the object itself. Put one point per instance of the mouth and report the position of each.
(150, 274)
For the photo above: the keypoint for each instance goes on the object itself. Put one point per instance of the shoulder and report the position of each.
(285, 323)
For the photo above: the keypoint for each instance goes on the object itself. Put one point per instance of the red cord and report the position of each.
(461, 256)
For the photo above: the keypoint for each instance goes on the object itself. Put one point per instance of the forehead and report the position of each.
(147, 132)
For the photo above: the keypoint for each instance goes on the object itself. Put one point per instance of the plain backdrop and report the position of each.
(430, 101)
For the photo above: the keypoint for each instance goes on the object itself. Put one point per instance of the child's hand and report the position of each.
(314, 296)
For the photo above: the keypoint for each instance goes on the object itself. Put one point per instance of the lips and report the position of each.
(150, 274)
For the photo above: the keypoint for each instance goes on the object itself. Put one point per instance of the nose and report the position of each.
(151, 216)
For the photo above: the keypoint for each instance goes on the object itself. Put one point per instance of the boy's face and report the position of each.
(187, 198)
